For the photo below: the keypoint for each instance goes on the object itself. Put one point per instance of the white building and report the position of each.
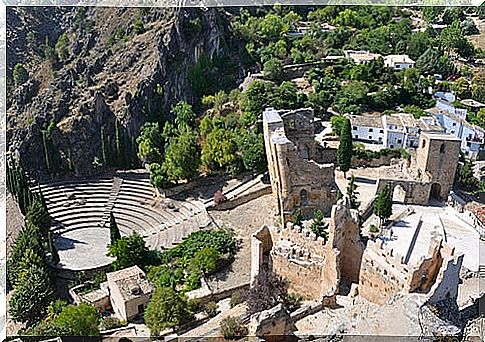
(360, 57)
(392, 131)
(367, 128)
(454, 122)
(399, 62)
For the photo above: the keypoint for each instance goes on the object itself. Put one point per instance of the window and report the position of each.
(356, 137)
(423, 144)
(380, 139)
(303, 197)
(452, 132)
(399, 141)
(442, 148)
(370, 137)
(354, 128)
(454, 123)
(371, 130)
(141, 308)
(381, 131)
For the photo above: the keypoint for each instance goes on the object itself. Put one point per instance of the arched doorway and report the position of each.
(399, 194)
(435, 193)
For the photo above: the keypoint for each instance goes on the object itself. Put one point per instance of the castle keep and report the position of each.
(297, 179)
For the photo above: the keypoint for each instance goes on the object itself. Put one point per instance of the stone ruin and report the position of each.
(314, 267)
(298, 180)
(319, 269)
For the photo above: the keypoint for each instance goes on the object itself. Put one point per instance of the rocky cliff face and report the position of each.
(114, 78)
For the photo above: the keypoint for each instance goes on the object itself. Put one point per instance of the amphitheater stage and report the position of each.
(81, 209)
(83, 249)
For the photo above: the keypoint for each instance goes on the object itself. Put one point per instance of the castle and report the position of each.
(321, 269)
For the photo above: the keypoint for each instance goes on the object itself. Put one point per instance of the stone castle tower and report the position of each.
(297, 180)
(436, 162)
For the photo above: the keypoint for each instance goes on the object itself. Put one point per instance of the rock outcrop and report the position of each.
(114, 78)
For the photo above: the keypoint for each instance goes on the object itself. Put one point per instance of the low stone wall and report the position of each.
(242, 199)
(204, 296)
(376, 162)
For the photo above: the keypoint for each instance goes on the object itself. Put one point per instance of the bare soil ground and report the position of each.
(244, 220)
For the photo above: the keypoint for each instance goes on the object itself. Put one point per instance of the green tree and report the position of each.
(344, 152)
(273, 70)
(62, 47)
(205, 261)
(461, 87)
(219, 150)
(318, 226)
(114, 231)
(38, 215)
(478, 87)
(31, 297)
(129, 251)
(466, 177)
(20, 74)
(184, 115)
(383, 204)
(54, 258)
(150, 142)
(251, 147)
(27, 239)
(338, 123)
(79, 320)
(352, 193)
(138, 26)
(167, 309)
(158, 177)
(181, 157)
(232, 328)
(297, 218)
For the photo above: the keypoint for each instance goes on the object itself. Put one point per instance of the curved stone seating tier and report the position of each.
(79, 207)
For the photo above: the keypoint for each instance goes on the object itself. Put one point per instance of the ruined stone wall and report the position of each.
(297, 180)
(344, 237)
(448, 278)
(299, 256)
(382, 273)
(415, 192)
(424, 274)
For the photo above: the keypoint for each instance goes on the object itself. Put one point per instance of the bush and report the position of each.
(211, 309)
(20, 74)
(236, 298)
(232, 328)
(111, 323)
(373, 228)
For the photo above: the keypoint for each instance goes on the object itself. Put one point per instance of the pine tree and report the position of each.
(352, 193)
(383, 204)
(32, 296)
(38, 216)
(297, 218)
(318, 226)
(344, 152)
(113, 228)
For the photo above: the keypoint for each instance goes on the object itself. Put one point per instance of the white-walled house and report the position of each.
(454, 122)
(367, 128)
(361, 56)
(393, 131)
(399, 62)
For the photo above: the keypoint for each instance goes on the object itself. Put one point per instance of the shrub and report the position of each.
(111, 323)
(232, 328)
(373, 228)
(219, 197)
(211, 309)
(20, 74)
(236, 298)
(138, 26)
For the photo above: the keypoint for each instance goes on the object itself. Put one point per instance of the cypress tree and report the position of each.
(103, 146)
(118, 144)
(46, 151)
(344, 152)
(352, 193)
(113, 228)
(53, 250)
(38, 216)
(383, 204)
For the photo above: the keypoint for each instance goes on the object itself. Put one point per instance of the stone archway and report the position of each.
(399, 194)
(435, 192)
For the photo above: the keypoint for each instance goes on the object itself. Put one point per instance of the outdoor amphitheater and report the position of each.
(80, 211)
